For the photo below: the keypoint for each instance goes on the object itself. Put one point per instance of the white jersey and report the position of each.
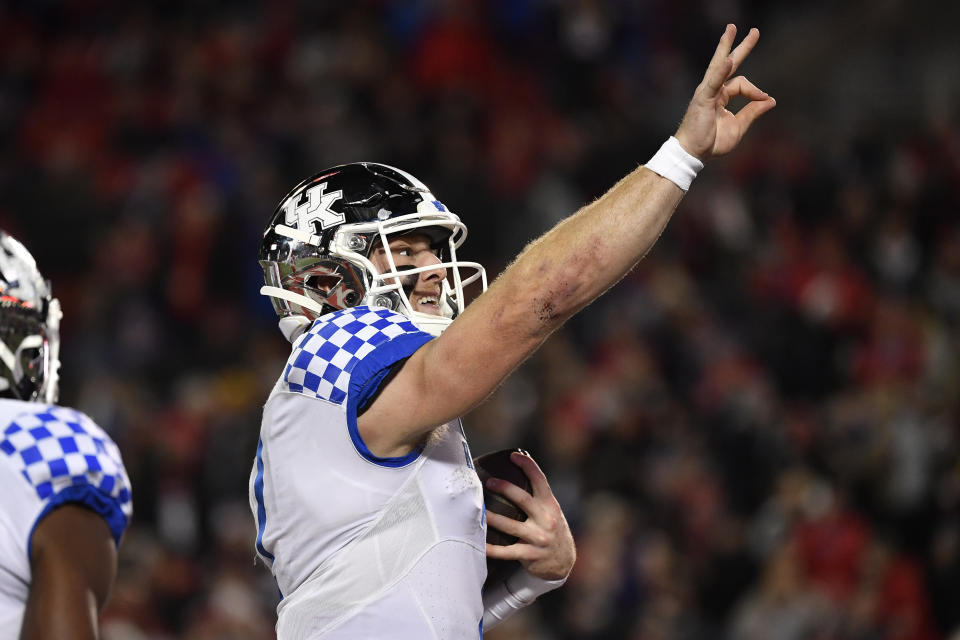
(50, 456)
(361, 546)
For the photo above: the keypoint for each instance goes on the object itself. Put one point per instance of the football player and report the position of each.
(66, 497)
(367, 509)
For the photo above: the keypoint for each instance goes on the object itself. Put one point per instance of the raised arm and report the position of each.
(73, 562)
(560, 273)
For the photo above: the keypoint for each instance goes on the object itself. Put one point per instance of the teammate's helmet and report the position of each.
(29, 327)
(316, 250)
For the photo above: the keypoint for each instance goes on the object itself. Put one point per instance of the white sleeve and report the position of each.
(502, 599)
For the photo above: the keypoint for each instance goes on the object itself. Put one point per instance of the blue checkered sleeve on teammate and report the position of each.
(62, 456)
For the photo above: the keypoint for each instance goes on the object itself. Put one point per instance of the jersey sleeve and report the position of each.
(346, 354)
(66, 458)
(344, 358)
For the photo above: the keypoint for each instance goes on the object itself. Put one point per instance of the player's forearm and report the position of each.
(583, 256)
(553, 278)
(59, 610)
(563, 271)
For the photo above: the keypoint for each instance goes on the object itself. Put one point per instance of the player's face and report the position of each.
(414, 251)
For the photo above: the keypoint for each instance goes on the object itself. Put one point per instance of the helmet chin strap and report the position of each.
(434, 325)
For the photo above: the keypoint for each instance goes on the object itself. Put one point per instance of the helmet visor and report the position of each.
(24, 351)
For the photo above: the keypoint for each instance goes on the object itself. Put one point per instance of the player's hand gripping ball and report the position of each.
(497, 464)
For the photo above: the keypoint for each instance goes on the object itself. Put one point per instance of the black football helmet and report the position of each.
(29, 327)
(316, 249)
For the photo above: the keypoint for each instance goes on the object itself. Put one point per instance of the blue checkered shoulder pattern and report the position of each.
(63, 454)
(325, 356)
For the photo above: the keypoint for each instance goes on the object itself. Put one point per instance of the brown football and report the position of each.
(497, 464)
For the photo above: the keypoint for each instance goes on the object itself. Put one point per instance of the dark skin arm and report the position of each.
(73, 560)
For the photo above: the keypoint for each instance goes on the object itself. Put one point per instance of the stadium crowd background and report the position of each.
(755, 435)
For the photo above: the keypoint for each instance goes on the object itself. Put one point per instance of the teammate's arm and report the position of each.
(73, 561)
(558, 274)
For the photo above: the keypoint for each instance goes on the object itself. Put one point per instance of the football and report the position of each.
(497, 464)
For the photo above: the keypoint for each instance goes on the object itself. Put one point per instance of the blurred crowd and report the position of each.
(754, 435)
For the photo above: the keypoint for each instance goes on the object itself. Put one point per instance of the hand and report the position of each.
(545, 547)
(708, 128)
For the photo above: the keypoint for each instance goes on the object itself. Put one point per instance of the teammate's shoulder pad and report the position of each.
(56, 448)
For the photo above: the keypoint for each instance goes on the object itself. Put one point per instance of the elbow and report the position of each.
(537, 297)
(564, 293)
(551, 306)
(550, 309)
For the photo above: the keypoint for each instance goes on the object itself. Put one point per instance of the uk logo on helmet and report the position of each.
(312, 206)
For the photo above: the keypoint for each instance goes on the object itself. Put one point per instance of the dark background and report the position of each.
(754, 435)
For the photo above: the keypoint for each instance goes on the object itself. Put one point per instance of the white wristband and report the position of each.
(527, 587)
(674, 163)
(521, 588)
